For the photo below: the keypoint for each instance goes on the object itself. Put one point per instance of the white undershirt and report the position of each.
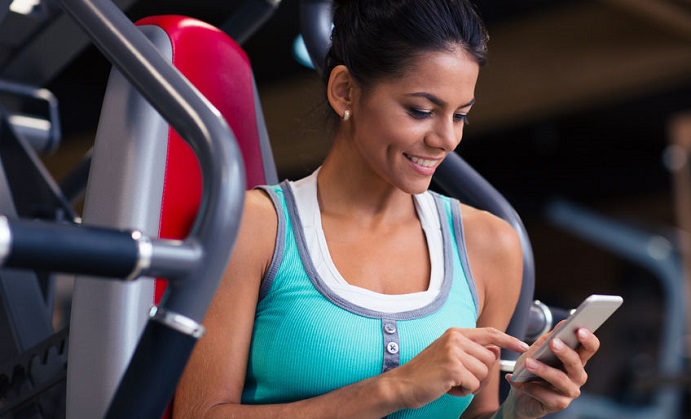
(305, 192)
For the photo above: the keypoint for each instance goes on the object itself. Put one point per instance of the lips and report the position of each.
(422, 162)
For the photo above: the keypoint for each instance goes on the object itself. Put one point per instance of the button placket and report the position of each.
(392, 357)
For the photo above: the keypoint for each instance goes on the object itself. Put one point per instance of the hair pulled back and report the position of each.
(380, 38)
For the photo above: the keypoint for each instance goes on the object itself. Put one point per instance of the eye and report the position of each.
(419, 113)
(461, 117)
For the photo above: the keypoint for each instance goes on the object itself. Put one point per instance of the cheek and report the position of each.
(395, 132)
(386, 127)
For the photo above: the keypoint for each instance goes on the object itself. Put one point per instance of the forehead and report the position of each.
(450, 75)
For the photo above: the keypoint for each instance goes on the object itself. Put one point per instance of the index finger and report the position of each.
(487, 336)
(589, 344)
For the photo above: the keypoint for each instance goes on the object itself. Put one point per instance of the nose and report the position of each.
(446, 134)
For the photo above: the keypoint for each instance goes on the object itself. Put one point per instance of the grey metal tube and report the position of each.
(51, 142)
(316, 17)
(457, 178)
(251, 15)
(170, 260)
(216, 226)
(196, 120)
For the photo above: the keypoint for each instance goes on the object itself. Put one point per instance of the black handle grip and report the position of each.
(71, 248)
(150, 381)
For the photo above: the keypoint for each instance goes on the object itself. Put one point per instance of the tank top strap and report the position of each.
(451, 207)
(277, 197)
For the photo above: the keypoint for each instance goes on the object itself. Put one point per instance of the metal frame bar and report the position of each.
(194, 277)
(251, 16)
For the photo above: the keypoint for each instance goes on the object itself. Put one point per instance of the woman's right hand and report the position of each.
(459, 362)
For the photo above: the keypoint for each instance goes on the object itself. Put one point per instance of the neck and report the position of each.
(347, 187)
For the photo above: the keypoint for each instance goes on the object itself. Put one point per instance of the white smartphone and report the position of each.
(590, 314)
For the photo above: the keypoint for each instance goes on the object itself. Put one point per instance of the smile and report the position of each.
(421, 162)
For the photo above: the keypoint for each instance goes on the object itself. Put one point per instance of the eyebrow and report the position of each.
(437, 101)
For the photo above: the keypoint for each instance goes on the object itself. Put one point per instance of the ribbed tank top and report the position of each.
(309, 340)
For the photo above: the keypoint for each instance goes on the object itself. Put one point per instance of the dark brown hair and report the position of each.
(380, 38)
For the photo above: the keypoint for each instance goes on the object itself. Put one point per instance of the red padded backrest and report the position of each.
(221, 71)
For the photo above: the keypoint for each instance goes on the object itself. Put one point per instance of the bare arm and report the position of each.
(496, 263)
(495, 259)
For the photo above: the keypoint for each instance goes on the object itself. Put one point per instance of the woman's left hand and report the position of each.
(558, 387)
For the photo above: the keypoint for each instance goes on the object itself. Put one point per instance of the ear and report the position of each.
(339, 90)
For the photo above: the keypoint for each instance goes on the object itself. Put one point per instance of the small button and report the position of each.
(390, 328)
(392, 348)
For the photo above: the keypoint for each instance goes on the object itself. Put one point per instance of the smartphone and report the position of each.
(590, 314)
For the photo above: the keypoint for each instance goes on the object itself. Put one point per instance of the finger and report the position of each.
(460, 391)
(553, 377)
(487, 336)
(473, 362)
(544, 394)
(479, 367)
(474, 359)
(469, 384)
(540, 340)
(571, 362)
(458, 342)
(496, 351)
(589, 344)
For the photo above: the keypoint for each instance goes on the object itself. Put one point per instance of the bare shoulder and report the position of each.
(495, 258)
(253, 249)
(257, 236)
(489, 233)
(259, 208)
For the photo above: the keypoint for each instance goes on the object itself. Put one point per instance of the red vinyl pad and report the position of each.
(221, 71)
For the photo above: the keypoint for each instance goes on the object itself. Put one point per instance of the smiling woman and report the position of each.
(403, 127)
(350, 292)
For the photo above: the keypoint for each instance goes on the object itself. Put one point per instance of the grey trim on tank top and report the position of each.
(460, 239)
(280, 245)
(319, 284)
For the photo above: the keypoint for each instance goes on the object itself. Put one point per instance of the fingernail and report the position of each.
(557, 344)
(531, 364)
(525, 346)
(583, 333)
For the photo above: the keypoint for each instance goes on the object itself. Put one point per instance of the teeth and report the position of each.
(422, 162)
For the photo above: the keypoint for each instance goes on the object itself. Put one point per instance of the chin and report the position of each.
(417, 187)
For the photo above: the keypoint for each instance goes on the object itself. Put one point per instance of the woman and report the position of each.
(355, 292)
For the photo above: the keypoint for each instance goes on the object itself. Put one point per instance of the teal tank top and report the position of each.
(308, 341)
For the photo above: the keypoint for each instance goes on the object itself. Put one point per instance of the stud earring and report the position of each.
(346, 114)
